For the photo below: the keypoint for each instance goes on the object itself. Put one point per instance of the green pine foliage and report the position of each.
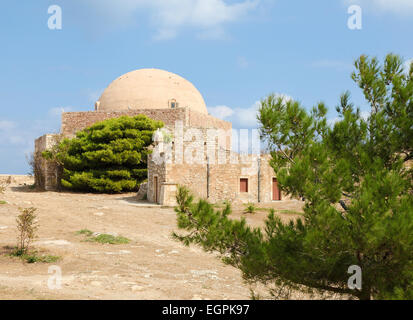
(108, 157)
(357, 182)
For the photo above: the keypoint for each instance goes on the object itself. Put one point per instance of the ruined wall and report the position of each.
(46, 172)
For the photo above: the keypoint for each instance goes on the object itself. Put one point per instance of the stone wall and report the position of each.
(73, 122)
(47, 173)
(216, 182)
(158, 171)
(76, 121)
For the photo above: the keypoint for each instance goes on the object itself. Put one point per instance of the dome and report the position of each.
(150, 89)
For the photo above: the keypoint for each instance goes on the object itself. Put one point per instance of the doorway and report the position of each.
(276, 192)
(155, 189)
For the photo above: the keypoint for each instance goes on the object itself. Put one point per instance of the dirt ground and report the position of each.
(151, 266)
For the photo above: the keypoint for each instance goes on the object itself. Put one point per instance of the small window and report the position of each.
(243, 185)
(173, 104)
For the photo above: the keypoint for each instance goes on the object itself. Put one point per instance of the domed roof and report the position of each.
(150, 89)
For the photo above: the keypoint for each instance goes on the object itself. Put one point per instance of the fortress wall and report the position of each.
(46, 172)
(73, 122)
(223, 182)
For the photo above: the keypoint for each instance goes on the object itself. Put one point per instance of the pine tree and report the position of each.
(356, 179)
(109, 157)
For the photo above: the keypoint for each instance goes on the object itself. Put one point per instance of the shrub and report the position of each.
(110, 239)
(4, 183)
(103, 237)
(27, 227)
(34, 257)
(34, 161)
(250, 208)
(85, 232)
(108, 157)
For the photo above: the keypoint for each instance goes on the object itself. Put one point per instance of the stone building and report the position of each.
(193, 150)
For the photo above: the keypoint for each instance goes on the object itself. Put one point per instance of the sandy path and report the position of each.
(151, 266)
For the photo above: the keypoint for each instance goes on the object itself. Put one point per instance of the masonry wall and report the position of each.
(155, 170)
(216, 182)
(73, 122)
(46, 173)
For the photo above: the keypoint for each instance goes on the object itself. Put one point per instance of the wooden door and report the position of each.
(276, 192)
(243, 185)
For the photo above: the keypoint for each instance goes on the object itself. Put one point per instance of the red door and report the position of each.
(243, 185)
(276, 192)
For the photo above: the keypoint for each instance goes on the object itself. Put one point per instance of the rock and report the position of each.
(203, 272)
(142, 193)
(55, 242)
(137, 288)
(99, 214)
(96, 234)
(120, 252)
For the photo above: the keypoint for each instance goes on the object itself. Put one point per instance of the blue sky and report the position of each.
(235, 52)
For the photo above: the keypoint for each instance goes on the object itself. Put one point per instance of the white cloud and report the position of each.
(11, 133)
(241, 117)
(247, 117)
(404, 7)
(363, 114)
(169, 16)
(17, 137)
(57, 112)
(221, 112)
(407, 65)
(6, 125)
